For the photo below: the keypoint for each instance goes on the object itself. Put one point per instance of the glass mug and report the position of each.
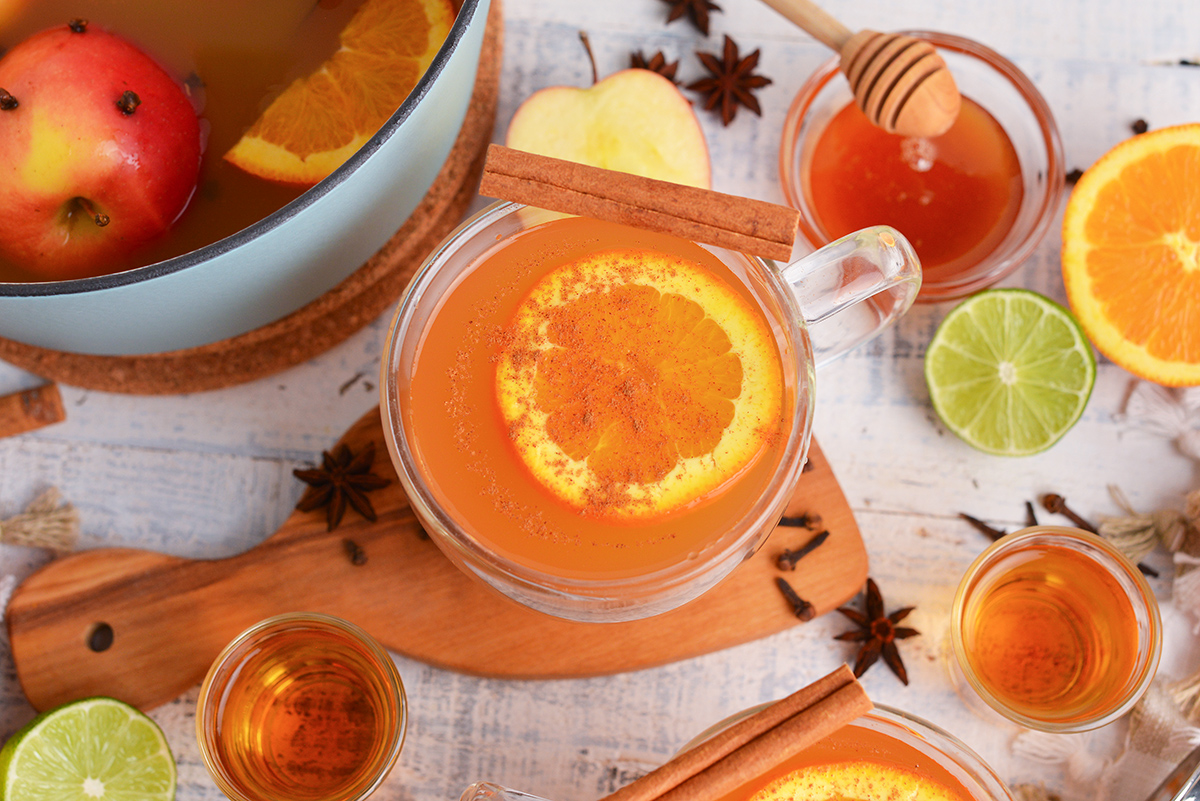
(884, 735)
(496, 492)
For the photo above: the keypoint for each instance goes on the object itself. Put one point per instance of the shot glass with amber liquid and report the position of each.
(1055, 629)
(301, 707)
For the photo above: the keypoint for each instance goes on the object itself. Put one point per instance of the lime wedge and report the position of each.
(97, 748)
(1009, 371)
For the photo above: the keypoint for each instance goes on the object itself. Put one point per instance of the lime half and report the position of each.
(97, 748)
(1009, 371)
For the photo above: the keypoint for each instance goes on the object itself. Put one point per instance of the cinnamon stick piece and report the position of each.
(32, 409)
(754, 745)
(701, 215)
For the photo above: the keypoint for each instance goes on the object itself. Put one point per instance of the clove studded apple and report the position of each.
(99, 152)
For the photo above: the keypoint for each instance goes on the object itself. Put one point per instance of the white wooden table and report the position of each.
(209, 475)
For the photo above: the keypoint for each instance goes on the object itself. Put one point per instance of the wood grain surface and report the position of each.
(209, 475)
(171, 616)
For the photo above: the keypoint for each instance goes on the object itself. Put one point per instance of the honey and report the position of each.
(955, 196)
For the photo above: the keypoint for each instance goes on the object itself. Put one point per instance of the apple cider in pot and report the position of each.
(232, 60)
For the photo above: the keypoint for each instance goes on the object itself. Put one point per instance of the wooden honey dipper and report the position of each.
(900, 82)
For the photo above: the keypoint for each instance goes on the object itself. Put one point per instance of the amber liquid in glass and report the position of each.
(858, 744)
(458, 434)
(954, 196)
(307, 717)
(1052, 635)
(234, 57)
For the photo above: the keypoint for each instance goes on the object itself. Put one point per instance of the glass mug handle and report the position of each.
(853, 288)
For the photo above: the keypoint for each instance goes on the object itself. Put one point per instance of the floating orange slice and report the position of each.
(635, 382)
(860, 781)
(320, 121)
(1131, 255)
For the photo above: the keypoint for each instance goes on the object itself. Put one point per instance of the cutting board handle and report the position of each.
(170, 617)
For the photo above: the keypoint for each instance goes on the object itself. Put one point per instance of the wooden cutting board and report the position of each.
(171, 616)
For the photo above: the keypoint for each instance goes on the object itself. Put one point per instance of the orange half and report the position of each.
(321, 120)
(1131, 255)
(634, 383)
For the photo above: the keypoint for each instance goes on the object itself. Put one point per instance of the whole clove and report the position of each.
(1057, 504)
(809, 520)
(991, 533)
(128, 102)
(788, 559)
(7, 101)
(358, 556)
(1030, 517)
(800, 607)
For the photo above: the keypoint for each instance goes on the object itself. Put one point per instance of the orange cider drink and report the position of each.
(597, 420)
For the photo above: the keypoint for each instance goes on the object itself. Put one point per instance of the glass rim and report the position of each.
(1109, 556)
(1011, 255)
(963, 755)
(661, 582)
(205, 702)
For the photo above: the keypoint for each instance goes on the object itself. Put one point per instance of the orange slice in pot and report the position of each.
(319, 121)
(1131, 255)
(855, 781)
(634, 383)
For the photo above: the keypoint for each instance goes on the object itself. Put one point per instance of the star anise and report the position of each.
(878, 633)
(697, 11)
(343, 478)
(732, 81)
(656, 63)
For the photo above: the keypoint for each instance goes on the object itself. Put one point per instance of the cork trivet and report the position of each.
(326, 321)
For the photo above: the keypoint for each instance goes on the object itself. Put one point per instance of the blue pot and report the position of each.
(280, 263)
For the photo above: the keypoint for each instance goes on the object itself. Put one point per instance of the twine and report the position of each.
(48, 522)
(1173, 414)
(1069, 750)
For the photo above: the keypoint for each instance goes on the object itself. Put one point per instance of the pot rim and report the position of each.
(466, 13)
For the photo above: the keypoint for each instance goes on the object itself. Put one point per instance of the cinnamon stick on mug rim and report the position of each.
(752, 746)
(701, 215)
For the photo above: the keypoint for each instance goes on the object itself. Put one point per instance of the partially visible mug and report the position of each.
(602, 422)
(895, 753)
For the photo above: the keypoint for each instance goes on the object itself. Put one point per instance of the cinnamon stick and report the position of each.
(701, 215)
(754, 745)
(32, 409)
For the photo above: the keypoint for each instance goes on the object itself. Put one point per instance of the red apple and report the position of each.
(99, 152)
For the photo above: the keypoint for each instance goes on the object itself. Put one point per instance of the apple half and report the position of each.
(633, 121)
